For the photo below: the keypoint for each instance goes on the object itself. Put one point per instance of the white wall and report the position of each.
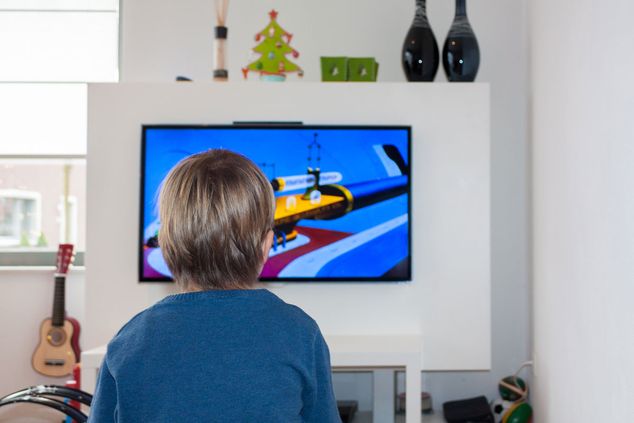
(160, 39)
(27, 299)
(583, 178)
(448, 303)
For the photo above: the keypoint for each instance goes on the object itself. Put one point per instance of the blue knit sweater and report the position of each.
(217, 356)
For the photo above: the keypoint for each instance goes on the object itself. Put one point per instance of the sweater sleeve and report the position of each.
(104, 404)
(320, 405)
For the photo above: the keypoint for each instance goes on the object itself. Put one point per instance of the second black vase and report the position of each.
(420, 56)
(461, 53)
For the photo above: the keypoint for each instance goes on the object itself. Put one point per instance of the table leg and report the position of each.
(89, 379)
(383, 396)
(412, 393)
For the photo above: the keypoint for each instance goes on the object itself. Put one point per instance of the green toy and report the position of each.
(273, 47)
(513, 388)
(520, 413)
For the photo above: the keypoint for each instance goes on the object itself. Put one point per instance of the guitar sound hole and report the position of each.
(56, 337)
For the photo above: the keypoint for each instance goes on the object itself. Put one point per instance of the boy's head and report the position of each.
(216, 211)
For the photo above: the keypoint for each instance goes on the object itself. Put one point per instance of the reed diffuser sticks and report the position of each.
(220, 41)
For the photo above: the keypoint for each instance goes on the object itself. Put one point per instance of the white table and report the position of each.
(371, 352)
(90, 364)
(347, 353)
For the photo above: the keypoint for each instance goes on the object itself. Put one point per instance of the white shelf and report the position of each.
(374, 351)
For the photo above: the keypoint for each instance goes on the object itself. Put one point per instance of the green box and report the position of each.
(362, 69)
(334, 69)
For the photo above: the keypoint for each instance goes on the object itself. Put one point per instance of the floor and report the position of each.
(366, 417)
(25, 414)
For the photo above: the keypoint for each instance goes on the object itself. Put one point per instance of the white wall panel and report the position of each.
(43, 119)
(449, 301)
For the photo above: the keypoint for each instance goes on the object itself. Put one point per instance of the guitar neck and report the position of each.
(59, 301)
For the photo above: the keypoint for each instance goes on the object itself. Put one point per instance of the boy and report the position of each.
(221, 351)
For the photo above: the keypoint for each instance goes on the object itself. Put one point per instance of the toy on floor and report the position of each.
(513, 388)
(512, 406)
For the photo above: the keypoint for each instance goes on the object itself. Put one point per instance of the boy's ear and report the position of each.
(268, 243)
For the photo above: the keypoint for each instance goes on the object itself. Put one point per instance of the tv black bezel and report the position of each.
(295, 126)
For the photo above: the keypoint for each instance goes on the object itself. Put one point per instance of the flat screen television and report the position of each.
(342, 196)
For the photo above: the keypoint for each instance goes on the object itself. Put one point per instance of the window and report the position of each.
(20, 217)
(52, 48)
(74, 46)
(39, 199)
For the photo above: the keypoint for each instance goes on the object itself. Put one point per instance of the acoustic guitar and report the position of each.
(58, 350)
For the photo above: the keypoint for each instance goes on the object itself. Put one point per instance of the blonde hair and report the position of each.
(216, 209)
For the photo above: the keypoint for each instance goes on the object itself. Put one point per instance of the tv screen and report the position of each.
(342, 196)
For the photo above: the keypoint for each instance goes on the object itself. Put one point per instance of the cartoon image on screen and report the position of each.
(342, 197)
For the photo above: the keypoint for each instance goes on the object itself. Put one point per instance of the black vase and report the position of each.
(420, 52)
(461, 54)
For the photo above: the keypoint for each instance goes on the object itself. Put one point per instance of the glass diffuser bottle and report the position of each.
(461, 54)
(420, 55)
